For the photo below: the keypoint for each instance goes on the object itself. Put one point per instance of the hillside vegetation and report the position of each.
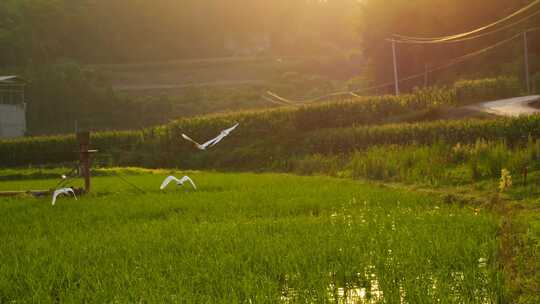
(264, 135)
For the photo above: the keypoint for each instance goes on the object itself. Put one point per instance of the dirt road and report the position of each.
(511, 107)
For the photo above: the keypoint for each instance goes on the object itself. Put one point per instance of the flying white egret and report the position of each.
(65, 191)
(179, 182)
(212, 142)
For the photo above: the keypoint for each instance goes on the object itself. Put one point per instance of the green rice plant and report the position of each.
(240, 238)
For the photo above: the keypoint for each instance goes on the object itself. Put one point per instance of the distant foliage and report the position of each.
(41, 31)
(60, 96)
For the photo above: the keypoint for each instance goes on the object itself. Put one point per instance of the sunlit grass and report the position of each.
(245, 237)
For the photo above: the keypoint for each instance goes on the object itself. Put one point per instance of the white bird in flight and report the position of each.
(212, 142)
(179, 182)
(64, 191)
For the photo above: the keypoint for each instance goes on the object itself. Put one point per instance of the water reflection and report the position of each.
(370, 291)
(353, 294)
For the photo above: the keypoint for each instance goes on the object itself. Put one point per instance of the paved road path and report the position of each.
(512, 107)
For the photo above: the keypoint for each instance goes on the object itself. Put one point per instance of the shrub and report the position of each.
(437, 164)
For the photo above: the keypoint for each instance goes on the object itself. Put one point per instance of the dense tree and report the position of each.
(40, 31)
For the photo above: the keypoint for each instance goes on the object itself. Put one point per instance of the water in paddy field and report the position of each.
(345, 295)
(372, 293)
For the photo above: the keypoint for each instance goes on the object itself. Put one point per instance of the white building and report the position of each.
(12, 107)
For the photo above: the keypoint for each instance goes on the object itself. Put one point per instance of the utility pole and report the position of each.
(526, 56)
(426, 71)
(396, 80)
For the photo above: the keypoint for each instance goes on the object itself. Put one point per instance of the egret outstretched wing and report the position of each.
(167, 181)
(55, 195)
(209, 143)
(212, 142)
(186, 178)
(223, 134)
(218, 139)
(179, 182)
(62, 191)
(191, 140)
(229, 130)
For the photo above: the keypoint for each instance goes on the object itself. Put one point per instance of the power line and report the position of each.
(463, 35)
(463, 58)
(460, 59)
(472, 37)
(354, 93)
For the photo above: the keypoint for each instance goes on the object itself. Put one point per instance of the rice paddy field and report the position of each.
(244, 238)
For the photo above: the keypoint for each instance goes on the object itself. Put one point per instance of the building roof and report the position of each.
(12, 79)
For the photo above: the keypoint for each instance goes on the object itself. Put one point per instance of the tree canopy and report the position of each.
(100, 31)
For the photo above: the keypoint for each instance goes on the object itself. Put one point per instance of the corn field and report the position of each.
(272, 136)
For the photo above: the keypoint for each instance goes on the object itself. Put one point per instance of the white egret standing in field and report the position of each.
(212, 142)
(63, 191)
(179, 182)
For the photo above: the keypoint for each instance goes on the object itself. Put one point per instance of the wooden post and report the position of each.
(396, 80)
(84, 156)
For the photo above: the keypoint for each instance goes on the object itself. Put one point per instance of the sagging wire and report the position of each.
(355, 93)
(463, 35)
(467, 38)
